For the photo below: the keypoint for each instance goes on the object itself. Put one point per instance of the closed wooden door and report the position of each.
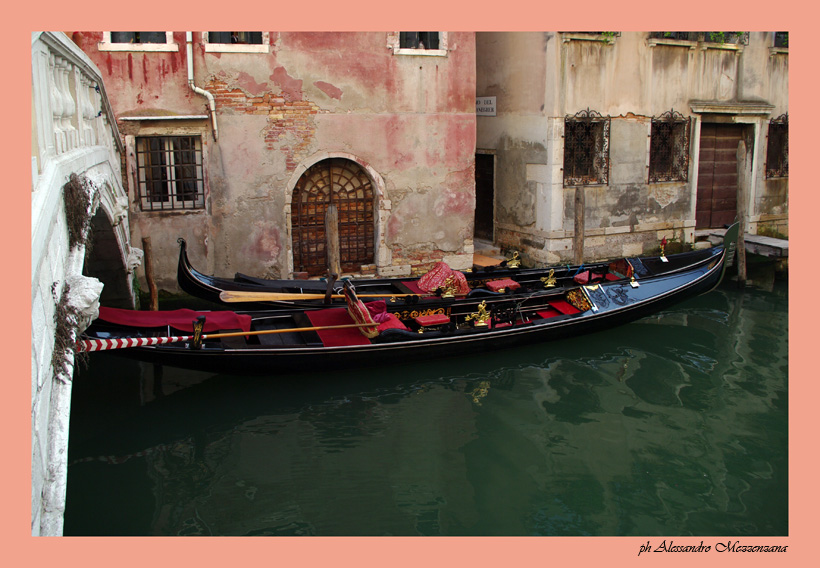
(484, 196)
(343, 184)
(717, 175)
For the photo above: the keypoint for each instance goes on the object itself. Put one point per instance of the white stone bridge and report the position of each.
(76, 181)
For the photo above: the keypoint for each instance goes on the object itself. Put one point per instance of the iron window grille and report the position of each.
(669, 148)
(681, 36)
(738, 38)
(138, 37)
(777, 147)
(586, 148)
(241, 38)
(170, 173)
(781, 39)
(419, 40)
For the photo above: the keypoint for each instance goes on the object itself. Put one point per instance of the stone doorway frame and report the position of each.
(381, 205)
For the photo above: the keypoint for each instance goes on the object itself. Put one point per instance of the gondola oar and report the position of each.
(237, 296)
(90, 345)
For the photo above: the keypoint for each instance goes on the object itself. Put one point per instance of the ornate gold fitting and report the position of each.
(549, 280)
(480, 318)
(199, 325)
(449, 288)
(514, 262)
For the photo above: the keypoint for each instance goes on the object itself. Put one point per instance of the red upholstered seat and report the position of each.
(432, 319)
(346, 336)
(505, 284)
(336, 337)
(564, 307)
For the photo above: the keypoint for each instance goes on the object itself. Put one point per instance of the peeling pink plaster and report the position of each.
(328, 89)
(454, 203)
(264, 242)
(249, 84)
(291, 88)
(395, 227)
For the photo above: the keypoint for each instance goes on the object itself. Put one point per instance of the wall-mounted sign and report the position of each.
(485, 106)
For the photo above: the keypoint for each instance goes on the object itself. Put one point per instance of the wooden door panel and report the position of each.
(717, 175)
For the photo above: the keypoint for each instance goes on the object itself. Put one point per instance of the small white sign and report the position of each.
(485, 106)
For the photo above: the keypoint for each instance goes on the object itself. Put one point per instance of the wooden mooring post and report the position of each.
(332, 234)
(580, 209)
(743, 170)
(149, 273)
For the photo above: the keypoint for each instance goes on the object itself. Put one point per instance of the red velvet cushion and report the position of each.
(506, 283)
(432, 319)
(361, 315)
(434, 278)
(392, 322)
(378, 310)
(437, 278)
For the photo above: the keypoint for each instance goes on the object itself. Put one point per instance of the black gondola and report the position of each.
(248, 293)
(274, 341)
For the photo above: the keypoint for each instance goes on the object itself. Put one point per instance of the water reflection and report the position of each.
(672, 425)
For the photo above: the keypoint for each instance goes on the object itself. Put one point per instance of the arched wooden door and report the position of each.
(344, 184)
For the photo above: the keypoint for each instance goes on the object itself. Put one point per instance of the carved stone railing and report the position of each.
(70, 108)
(74, 136)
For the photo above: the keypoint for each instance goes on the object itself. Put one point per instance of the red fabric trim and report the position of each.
(181, 320)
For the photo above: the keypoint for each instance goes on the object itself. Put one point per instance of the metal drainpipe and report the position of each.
(211, 103)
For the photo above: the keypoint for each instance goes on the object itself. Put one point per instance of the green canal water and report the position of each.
(672, 425)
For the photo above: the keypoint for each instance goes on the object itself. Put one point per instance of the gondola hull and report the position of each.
(211, 288)
(606, 305)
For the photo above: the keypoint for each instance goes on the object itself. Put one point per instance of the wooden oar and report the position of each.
(237, 296)
(91, 345)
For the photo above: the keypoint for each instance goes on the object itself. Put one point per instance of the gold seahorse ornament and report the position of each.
(481, 317)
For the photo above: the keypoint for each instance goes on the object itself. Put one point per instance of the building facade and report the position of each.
(257, 147)
(604, 143)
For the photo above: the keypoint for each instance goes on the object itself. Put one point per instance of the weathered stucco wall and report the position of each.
(407, 119)
(631, 79)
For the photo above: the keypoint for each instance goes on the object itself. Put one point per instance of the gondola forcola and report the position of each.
(363, 333)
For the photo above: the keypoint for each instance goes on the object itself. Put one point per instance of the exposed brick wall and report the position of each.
(284, 117)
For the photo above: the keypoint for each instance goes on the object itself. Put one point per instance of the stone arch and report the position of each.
(109, 257)
(380, 205)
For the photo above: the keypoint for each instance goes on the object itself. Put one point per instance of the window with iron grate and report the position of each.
(669, 148)
(586, 149)
(777, 147)
(138, 37)
(241, 38)
(419, 40)
(170, 173)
